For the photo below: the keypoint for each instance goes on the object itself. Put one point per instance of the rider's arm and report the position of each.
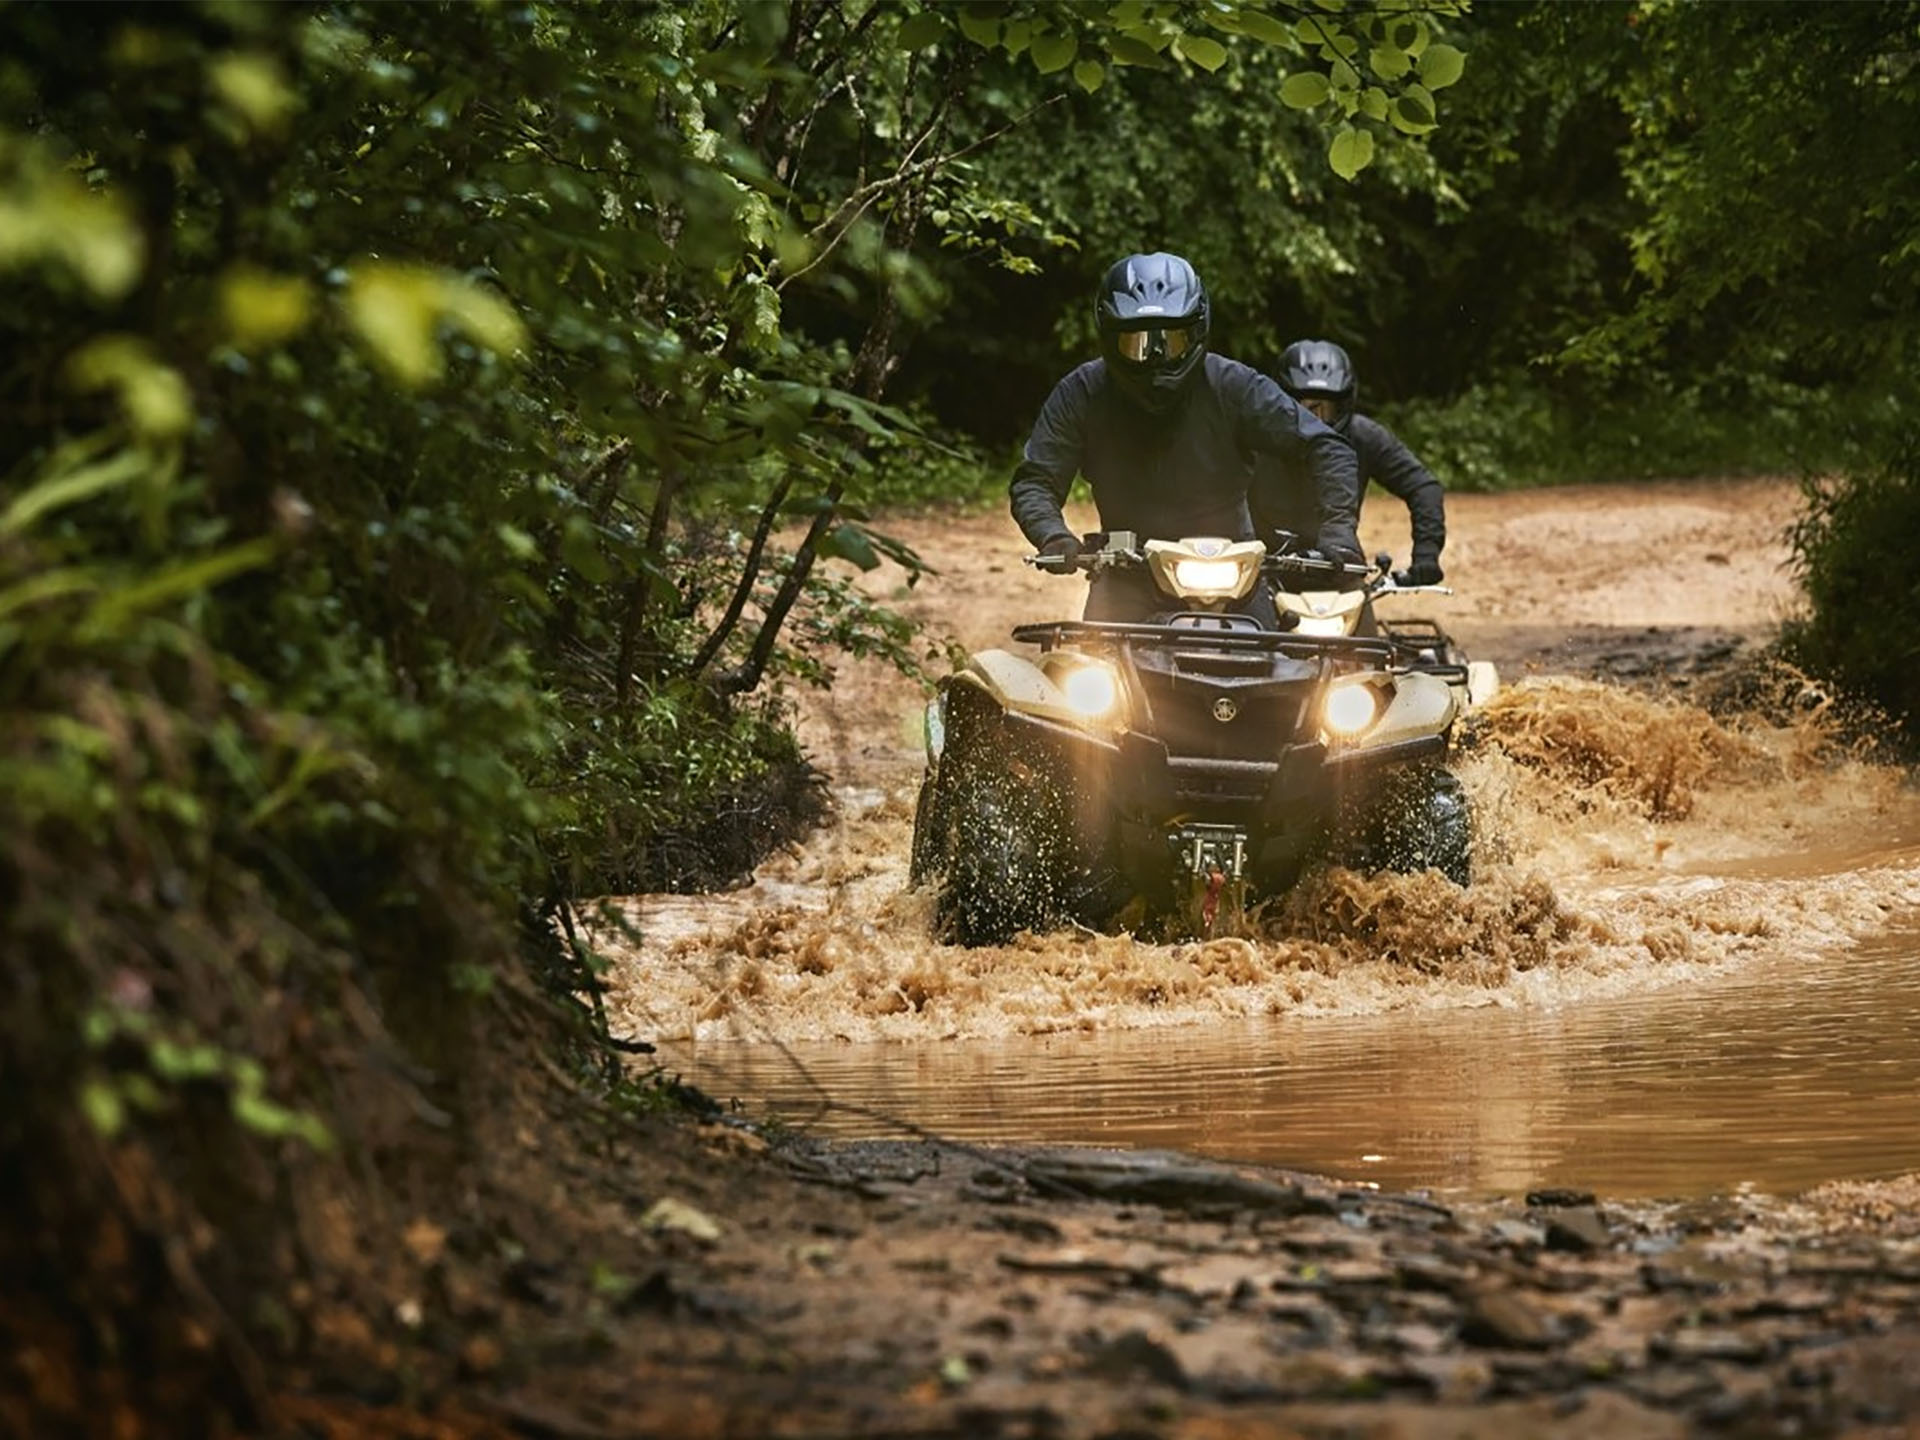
(1385, 458)
(1050, 461)
(1274, 425)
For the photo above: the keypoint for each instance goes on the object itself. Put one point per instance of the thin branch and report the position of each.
(746, 676)
(748, 575)
(867, 194)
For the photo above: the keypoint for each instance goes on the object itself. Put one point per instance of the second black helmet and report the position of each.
(1319, 375)
(1152, 315)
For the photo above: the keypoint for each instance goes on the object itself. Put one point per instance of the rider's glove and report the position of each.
(1421, 572)
(1066, 547)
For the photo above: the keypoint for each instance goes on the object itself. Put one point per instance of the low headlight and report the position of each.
(1092, 690)
(1349, 709)
(1321, 625)
(1207, 577)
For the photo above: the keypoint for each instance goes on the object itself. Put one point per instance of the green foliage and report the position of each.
(1524, 430)
(1854, 554)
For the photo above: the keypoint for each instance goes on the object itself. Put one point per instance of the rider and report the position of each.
(1166, 435)
(1319, 375)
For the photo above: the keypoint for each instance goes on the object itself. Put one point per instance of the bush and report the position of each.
(1518, 431)
(1854, 554)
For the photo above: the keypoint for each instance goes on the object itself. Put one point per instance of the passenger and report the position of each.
(1166, 434)
(1319, 375)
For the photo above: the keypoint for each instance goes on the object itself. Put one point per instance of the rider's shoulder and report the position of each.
(1365, 430)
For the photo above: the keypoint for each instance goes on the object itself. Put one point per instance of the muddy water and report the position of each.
(1776, 1079)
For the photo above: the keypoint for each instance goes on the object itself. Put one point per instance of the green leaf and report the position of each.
(156, 400)
(100, 1103)
(1089, 75)
(176, 582)
(396, 308)
(1440, 66)
(921, 30)
(1351, 151)
(1405, 34)
(61, 490)
(1128, 51)
(1263, 27)
(850, 542)
(1054, 52)
(1373, 104)
(262, 309)
(1208, 54)
(1304, 89)
(1413, 111)
(255, 88)
(982, 29)
(1388, 62)
(580, 550)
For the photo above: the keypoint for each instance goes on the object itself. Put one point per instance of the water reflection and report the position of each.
(1780, 1077)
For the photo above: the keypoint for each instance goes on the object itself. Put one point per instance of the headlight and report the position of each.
(1321, 625)
(1207, 577)
(1092, 690)
(1349, 709)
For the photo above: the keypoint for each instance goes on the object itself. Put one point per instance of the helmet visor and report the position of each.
(1150, 347)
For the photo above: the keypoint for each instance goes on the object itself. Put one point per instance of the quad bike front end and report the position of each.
(1175, 770)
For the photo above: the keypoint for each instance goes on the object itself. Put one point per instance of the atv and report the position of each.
(1178, 769)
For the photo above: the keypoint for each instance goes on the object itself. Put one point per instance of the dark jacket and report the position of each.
(1289, 487)
(1189, 472)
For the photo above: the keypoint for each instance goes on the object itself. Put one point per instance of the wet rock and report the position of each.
(1578, 1229)
(1219, 1277)
(1519, 1234)
(1705, 1343)
(1428, 1272)
(1137, 1355)
(1027, 1227)
(1452, 1379)
(1555, 1197)
(1498, 1319)
(1168, 1181)
(1672, 1386)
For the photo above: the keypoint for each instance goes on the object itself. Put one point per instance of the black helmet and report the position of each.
(1152, 314)
(1319, 371)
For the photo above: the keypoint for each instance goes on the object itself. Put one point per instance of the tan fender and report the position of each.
(1422, 705)
(1483, 682)
(1017, 684)
(1323, 605)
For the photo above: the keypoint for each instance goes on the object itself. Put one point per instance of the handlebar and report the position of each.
(1121, 558)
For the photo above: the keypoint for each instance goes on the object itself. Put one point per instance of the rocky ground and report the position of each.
(712, 1284)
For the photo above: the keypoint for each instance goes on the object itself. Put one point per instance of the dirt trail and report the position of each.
(1599, 805)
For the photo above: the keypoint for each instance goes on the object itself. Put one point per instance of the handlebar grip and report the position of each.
(1054, 564)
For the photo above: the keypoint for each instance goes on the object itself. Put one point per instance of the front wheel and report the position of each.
(1419, 820)
(997, 848)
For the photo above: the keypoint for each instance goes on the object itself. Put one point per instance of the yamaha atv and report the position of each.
(1178, 769)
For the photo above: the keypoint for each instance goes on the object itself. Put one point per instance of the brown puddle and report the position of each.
(1774, 1079)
